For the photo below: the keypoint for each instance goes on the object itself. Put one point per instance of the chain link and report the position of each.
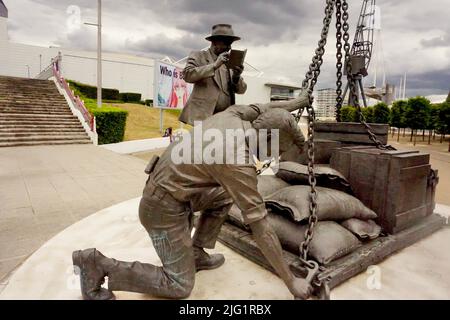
(308, 84)
(339, 98)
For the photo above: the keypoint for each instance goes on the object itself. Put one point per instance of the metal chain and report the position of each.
(339, 98)
(351, 82)
(308, 84)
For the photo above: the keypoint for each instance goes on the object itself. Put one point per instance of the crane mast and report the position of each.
(361, 51)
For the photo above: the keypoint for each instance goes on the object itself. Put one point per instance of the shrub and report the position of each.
(148, 102)
(176, 112)
(110, 123)
(130, 97)
(91, 91)
(349, 114)
(368, 114)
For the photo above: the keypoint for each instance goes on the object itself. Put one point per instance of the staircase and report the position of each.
(33, 112)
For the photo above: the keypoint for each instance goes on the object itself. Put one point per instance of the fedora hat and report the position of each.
(222, 31)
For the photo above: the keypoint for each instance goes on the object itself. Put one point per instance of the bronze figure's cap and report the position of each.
(222, 31)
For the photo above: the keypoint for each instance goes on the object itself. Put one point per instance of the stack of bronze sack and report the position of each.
(344, 221)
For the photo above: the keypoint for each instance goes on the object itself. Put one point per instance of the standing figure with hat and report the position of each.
(214, 84)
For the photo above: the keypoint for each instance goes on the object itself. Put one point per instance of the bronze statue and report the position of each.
(175, 190)
(214, 84)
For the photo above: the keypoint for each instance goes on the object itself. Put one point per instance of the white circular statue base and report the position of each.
(418, 272)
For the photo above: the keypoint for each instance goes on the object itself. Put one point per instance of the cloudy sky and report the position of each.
(280, 35)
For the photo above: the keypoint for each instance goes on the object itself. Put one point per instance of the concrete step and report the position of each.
(31, 99)
(22, 123)
(17, 106)
(38, 121)
(38, 143)
(31, 96)
(7, 135)
(35, 111)
(55, 126)
(24, 90)
(6, 123)
(32, 138)
(35, 108)
(41, 129)
(21, 79)
(34, 116)
(17, 88)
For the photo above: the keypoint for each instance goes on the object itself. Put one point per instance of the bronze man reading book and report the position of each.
(214, 84)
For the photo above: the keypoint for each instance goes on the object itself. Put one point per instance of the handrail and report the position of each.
(78, 103)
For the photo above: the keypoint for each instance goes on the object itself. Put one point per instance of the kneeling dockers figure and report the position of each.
(181, 183)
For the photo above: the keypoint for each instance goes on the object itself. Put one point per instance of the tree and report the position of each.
(433, 121)
(349, 114)
(444, 120)
(417, 114)
(381, 113)
(397, 118)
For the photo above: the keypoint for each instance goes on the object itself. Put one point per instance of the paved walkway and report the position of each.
(45, 189)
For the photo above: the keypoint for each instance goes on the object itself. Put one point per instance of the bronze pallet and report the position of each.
(340, 270)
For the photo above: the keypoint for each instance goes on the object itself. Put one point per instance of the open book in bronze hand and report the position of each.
(236, 58)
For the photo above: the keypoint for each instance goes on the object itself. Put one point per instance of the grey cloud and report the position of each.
(84, 38)
(291, 23)
(430, 80)
(443, 41)
(161, 45)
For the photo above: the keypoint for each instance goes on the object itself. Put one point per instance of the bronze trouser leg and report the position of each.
(213, 206)
(167, 223)
(208, 226)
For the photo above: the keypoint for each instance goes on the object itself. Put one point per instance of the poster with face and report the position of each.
(171, 91)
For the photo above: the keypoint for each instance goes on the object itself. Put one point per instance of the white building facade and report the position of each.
(127, 73)
(325, 103)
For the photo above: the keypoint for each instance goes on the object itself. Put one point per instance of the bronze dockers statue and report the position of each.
(214, 84)
(181, 184)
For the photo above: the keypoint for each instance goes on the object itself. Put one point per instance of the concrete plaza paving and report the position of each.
(44, 189)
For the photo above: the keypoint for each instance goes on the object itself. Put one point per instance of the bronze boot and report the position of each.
(88, 264)
(205, 261)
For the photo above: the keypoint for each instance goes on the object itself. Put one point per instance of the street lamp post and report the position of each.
(99, 53)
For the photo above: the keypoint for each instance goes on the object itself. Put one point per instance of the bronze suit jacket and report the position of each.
(208, 84)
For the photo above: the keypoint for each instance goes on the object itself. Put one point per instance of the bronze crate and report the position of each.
(398, 185)
(350, 132)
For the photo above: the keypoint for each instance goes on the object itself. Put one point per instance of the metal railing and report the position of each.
(54, 69)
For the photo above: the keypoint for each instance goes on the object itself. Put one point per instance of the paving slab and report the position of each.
(45, 189)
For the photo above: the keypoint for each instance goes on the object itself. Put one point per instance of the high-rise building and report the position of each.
(325, 103)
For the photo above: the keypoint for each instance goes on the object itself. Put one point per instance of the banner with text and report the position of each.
(171, 91)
